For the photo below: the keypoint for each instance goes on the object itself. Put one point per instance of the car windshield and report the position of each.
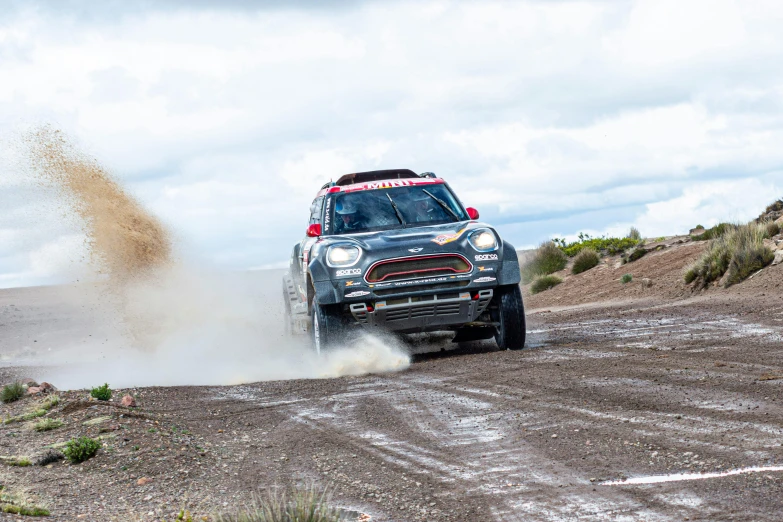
(382, 209)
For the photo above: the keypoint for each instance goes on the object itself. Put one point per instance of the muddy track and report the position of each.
(603, 393)
(607, 393)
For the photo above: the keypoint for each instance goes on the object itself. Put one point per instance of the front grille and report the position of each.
(423, 311)
(419, 288)
(418, 267)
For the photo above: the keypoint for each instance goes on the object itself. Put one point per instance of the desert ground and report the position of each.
(625, 401)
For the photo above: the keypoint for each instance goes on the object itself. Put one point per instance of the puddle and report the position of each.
(679, 477)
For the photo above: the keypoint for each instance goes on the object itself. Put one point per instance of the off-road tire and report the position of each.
(326, 327)
(510, 314)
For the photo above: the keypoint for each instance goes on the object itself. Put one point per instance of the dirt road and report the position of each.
(604, 392)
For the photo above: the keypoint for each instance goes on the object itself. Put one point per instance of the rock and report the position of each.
(778, 257)
(143, 480)
(646, 282)
(29, 382)
(33, 390)
(47, 388)
(696, 231)
(128, 401)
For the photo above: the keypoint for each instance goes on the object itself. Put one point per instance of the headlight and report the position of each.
(342, 255)
(483, 240)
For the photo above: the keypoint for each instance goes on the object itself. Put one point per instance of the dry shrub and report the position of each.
(737, 254)
(546, 260)
(773, 229)
(546, 282)
(586, 259)
(300, 505)
(634, 234)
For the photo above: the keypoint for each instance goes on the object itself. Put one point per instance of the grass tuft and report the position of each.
(637, 253)
(546, 282)
(548, 258)
(605, 245)
(773, 229)
(627, 278)
(634, 234)
(715, 232)
(47, 424)
(12, 392)
(81, 449)
(301, 505)
(50, 402)
(30, 415)
(737, 254)
(102, 393)
(586, 259)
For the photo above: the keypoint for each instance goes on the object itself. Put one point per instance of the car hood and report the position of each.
(420, 240)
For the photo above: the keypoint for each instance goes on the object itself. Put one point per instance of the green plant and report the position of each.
(627, 278)
(12, 392)
(637, 253)
(634, 234)
(33, 414)
(29, 511)
(47, 424)
(548, 258)
(21, 462)
(605, 245)
(102, 393)
(50, 402)
(81, 449)
(586, 259)
(773, 229)
(715, 232)
(737, 254)
(546, 282)
(300, 505)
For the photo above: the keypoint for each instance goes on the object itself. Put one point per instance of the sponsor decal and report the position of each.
(486, 257)
(448, 238)
(348, 272)
(415, 250)
(327, 216)
(387, 184)
(484, 280)
(357, 293)
(352, 283)
(486, 269)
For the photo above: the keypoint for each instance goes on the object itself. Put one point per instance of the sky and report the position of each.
(552, 118)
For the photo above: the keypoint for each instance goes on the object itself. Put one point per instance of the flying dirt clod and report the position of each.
(125, 240)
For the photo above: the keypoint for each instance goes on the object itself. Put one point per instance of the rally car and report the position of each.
(397, 251)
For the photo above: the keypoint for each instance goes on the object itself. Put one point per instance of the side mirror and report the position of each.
(473, 213)
(314, 230)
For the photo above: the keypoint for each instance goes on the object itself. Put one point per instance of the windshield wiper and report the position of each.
(396, 210)
(443, 204)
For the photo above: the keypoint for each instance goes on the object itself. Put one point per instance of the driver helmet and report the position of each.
(419, 195)
(347, 207)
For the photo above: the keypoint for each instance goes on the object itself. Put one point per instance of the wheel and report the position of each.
(510, 314)
(325, 327)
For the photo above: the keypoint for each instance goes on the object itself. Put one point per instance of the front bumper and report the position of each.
(423, 313)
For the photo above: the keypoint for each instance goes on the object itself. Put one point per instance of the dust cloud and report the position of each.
(159, 320)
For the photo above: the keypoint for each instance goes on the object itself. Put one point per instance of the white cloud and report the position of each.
(551, 117)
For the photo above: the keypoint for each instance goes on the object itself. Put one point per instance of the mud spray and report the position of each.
(169, 321)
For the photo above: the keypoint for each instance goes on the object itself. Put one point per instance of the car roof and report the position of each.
(377, 179)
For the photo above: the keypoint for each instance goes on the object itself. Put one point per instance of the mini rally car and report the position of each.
(397, 251)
